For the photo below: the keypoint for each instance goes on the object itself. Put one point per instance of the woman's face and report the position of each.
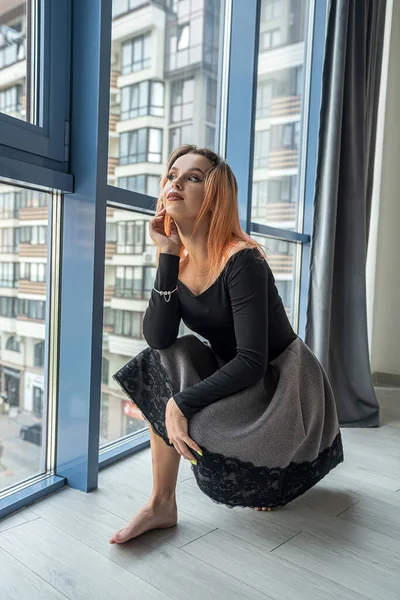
(183, 193)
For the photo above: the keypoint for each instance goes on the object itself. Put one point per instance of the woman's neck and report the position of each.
(196, 245)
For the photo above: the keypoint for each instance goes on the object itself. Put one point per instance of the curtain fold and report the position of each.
(336, 328)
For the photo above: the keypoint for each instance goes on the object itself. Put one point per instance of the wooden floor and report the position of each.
(339, 541)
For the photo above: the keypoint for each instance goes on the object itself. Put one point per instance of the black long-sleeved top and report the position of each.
(241, 314)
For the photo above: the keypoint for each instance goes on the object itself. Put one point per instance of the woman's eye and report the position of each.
(194, 178)
(170, 176)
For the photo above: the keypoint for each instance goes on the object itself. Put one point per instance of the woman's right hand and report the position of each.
(170, 244)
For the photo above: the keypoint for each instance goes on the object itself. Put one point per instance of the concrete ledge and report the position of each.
(386, 379)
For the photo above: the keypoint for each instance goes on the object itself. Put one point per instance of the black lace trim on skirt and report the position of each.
(225, 480)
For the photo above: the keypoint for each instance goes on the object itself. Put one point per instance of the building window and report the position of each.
(185, 35)
(13, 52)
(8, 240)
(8, 275)
(140, 145)
(8, 307)
(182, 100)
(261, 149)
(270, 39)
(128, 323)
(271, 9)
(32, 199)
(39, 354)
(210, 137)
(31, 309)
(120, 7)
(144, 184)
(134, 282)
(265, 93)
(36, 234)
(10, 99)
(144, 98)
(259, 199)
(105, 371)
(37, 405)
(211, 100)
(136, 54)
(285, 136)
(32, 272)
(180, 135)
(9, 204)
(130, 237)
(13, 345)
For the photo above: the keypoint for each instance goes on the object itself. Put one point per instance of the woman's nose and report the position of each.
(176, 184)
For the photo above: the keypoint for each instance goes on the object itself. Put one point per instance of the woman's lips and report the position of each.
(173, 198)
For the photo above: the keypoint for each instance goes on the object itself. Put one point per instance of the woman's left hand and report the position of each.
(177, 428)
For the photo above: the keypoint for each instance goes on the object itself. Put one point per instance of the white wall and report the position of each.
(383, 264)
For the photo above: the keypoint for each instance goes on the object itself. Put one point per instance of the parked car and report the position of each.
(32, 433)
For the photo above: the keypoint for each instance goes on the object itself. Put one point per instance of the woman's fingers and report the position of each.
(181, 447)
(192, 444)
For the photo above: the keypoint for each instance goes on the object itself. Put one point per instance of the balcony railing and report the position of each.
(283, 159)
(109, 292)
(280, 211)
(112, 163)
(26, 286)
(114, 78)
(33, 250)
(111, 249)
(280, 263)
(284, 106)
(33, 213)
(114, 119)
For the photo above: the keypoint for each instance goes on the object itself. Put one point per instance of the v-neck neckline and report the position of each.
(210, 287)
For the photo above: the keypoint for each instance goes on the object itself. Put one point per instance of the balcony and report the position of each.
(34, 213)
(114, 79)
(112, 164)
(280, 211)
(26, 286)
(109, 292)
(113, 120)
(33, 250)
(285, 106)
(283, 159)
(111, 249)
(281, 263)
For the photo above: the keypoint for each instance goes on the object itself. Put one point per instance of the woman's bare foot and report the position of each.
(155, 514)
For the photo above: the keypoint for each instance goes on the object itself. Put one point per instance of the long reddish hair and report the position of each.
(221, 201)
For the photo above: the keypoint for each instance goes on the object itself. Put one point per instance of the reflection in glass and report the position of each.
(23, 262)
(130, 270)
(280, 92)
(164, 78)
(282, 258)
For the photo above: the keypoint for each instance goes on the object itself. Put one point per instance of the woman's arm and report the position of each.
(247, 280)
(162, 319)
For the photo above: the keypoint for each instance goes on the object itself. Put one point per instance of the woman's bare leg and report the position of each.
(160, 511)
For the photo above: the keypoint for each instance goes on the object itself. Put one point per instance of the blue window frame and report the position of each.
(49, 20)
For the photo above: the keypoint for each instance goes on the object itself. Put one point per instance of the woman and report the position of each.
(251, 407)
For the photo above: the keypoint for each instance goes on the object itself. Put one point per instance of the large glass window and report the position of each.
(164, 77)
(23, 398)
(13, 64)
(280, 92)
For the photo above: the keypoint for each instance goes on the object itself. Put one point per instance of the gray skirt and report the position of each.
(263, 446)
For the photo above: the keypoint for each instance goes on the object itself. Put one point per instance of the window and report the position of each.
(121, 7)
(39, 354)
(210, 137)
(270, 39)
(144, 184)
(264, 98)
(31, 309)
(36, 234)
(10, 100)
(260, 196)
(8, 275)
(134, 282)
(136, 54)
(128, 323)
(130, 237)
(105, 371)
(37, 402)
(211, 99)
(13, 345)
(180, 135)
(191, 34)
(144, 98)
(140, 145)
(8, 307)
(8, 240)
(262, 141)
(271, 9)
(182, 100)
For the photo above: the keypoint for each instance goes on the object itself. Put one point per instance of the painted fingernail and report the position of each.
(199, 452)
(194, 462)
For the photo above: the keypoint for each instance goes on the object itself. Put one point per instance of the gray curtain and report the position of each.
(336, 327)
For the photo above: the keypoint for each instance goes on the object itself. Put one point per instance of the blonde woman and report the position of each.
(251, 408)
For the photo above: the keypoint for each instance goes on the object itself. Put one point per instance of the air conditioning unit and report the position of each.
(149, 258)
